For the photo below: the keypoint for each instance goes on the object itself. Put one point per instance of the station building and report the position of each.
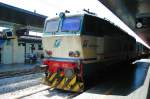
(18, 49)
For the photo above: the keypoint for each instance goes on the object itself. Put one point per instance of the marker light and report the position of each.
(76, 54)
(49, 52)
(71, 53)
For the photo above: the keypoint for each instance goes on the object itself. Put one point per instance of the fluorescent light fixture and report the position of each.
(35, 33)
(2, 28)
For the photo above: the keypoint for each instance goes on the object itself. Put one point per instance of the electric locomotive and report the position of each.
(77, 47)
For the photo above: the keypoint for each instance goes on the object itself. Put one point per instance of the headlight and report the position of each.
(139, 25)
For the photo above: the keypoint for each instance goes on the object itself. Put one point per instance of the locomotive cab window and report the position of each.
(71, 24)
(52, 26)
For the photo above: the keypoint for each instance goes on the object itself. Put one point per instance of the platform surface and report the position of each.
(129, 83)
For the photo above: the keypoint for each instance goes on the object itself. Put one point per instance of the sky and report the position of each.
(51, 7)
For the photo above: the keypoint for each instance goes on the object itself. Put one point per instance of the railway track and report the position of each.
(29, 86)
(20, 72)
(50, 94)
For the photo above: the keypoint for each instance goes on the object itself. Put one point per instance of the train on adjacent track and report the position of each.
(77, 47)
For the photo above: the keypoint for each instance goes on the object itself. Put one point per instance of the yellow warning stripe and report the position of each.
(66, 83)
(54, 83)
(78, 87)
(52, 77)
(56, 79)
(70, 83)
(61, 82)
(73, 81)
(48, 74)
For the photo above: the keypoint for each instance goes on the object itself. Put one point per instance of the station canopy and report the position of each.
(10, 16)
(133, 12)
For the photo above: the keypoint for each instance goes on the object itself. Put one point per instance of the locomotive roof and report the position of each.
(71, 15)
(91, 15)
(84, 14)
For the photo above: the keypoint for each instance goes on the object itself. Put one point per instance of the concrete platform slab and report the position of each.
(130, 84)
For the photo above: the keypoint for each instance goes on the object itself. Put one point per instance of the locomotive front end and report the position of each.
(64, 75)
(62, 46)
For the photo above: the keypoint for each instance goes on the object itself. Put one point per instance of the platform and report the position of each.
(129, 84)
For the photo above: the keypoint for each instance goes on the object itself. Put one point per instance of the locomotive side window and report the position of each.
(52, 26)
(89, 25)
(93, 26)
(71, 24)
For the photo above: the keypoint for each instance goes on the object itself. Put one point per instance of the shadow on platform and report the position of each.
(122, 80)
